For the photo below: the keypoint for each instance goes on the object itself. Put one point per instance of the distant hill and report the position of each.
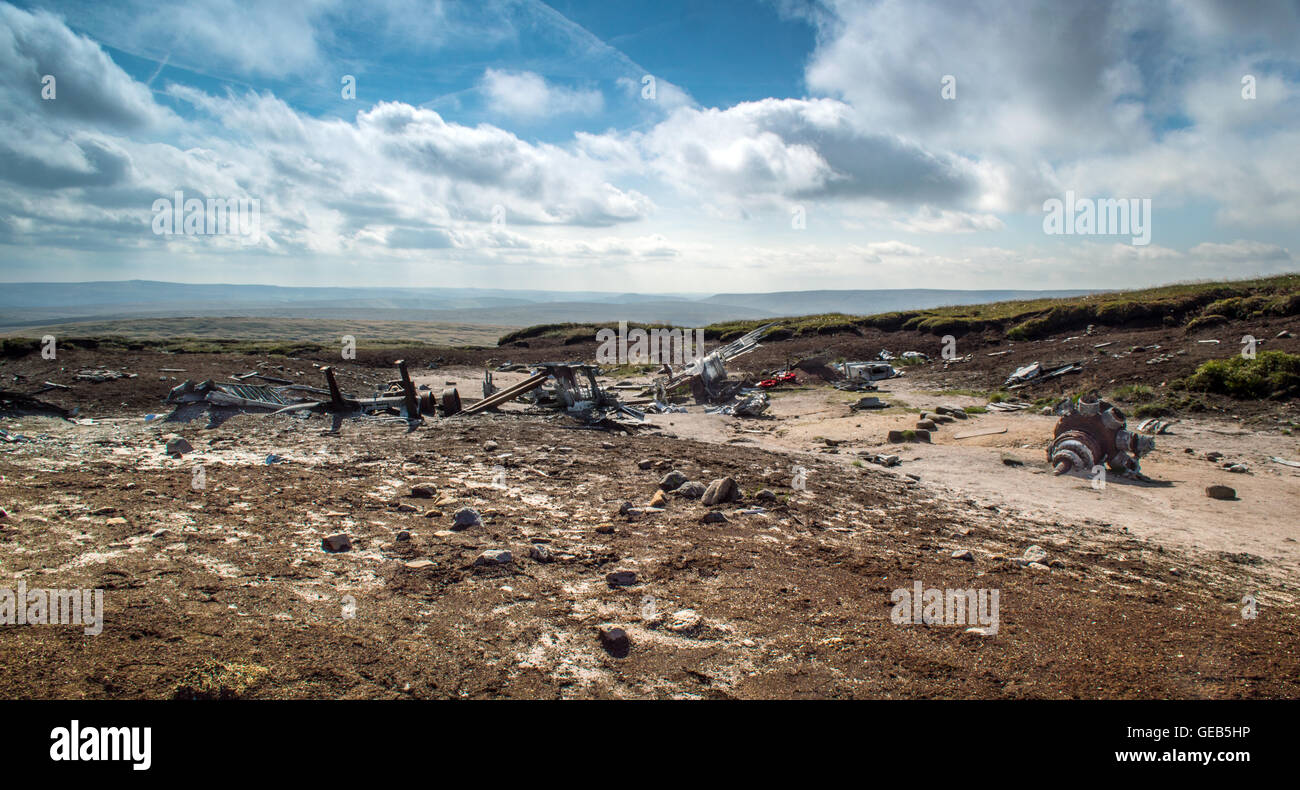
(796, 303)
(42, 304)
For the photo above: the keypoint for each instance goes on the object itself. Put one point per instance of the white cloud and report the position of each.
(526, 95)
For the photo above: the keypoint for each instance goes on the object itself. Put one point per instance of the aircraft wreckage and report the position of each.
(574, 391)
(1092, 432)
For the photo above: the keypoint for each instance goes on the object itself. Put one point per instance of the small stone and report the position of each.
(490, 446)
(689, 490)
(615, 641)
(887, 460)
(178, 446)
(417, 564)
(626, 508)
(1239, 468)
(714, 517)
(541, 553)
(605, 529)
(423, 491)
(406, 508)
(672, 480)
(116, 521)
(1037, 566)
(1220, 492)
(720, 491)
(927, 425)
(465, 518)
(621, 578)
(336, 543)
(403, 535)
(494, 557)
(1034, 554)
(964, 554)
(103, 511)
(607, 445)
(683, 620)
(765, 495)
(645, 463)
(659, 499)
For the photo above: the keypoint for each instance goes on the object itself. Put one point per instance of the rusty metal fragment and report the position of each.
(1093, 432)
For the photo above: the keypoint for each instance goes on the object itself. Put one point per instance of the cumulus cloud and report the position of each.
(526, 95)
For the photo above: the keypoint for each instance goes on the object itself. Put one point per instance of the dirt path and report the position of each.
(1172, 510)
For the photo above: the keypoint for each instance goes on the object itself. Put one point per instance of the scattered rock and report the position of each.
(541, 553)
(645, 463)
(689, 490)
(406, 508)
(659, 499)
(672, 480)
(683, 620)
(927, 425)
(337, 543)
(1240, 469)
(621, 578)
(490, 446)
(626, 508)
(115, 521)
(1213, 455)
(899, 437)
(423, 491)
(765, 495)
(615, 641)
(494, 557)
(1220, 492)
(714, 517)
(720, 491)
(1034, 554)
(964, 554)
(403, 535)
(417, 564)
(178, 446)
(605, 529)
(465, 518)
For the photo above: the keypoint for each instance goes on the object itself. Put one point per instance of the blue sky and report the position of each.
(786, 144)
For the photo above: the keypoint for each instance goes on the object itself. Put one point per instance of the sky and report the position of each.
(655, 147)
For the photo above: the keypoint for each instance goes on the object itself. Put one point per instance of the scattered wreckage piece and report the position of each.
(980, 432)
(867, 371)
(779, 378)
(1035, 372)
(508, 394)
(407, 405)
(102, 374)
(1092, 432)
(751, 405)
(1153, 426)
(869, 402)
(1009, 406)
(223, 401)
(707, 376)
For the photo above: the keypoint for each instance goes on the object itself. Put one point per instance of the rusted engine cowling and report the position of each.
(1092, 432)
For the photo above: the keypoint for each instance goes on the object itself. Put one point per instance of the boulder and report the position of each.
(720, 491)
